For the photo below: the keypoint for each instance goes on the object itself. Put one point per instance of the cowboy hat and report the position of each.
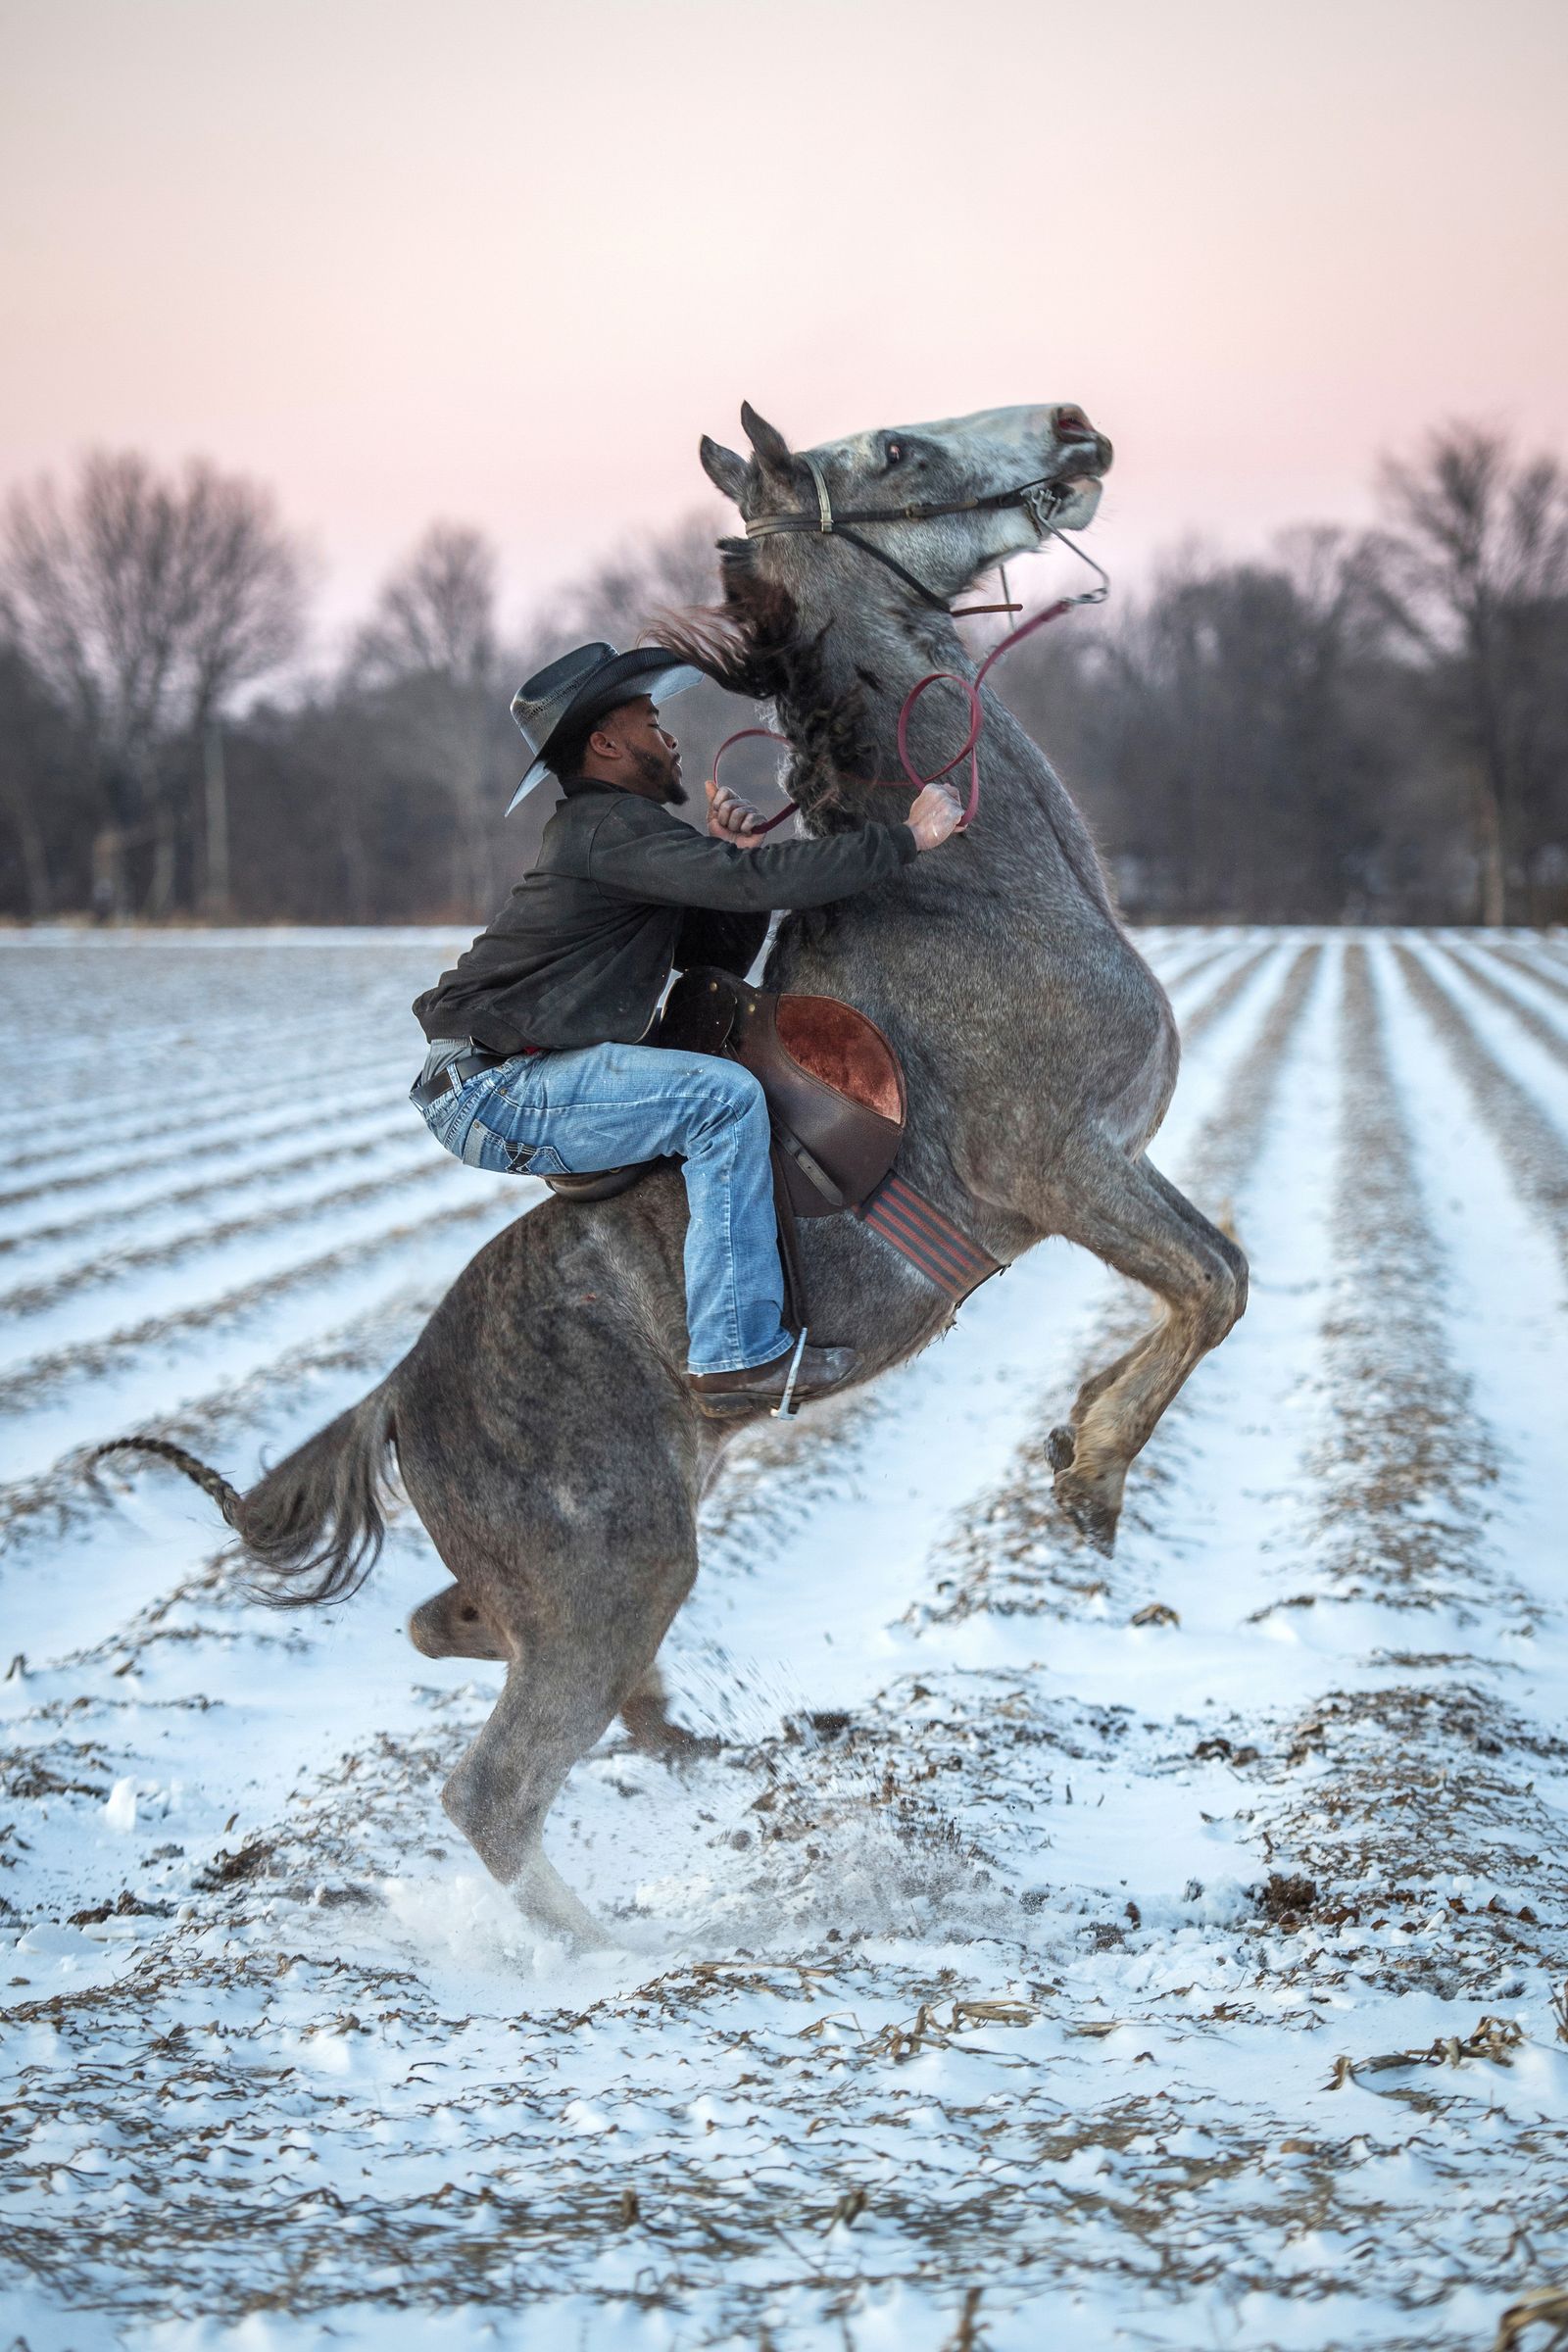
(583, 685)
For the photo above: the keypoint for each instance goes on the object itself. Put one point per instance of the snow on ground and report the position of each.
(1167, 1951)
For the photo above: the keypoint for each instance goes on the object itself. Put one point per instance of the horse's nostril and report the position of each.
(1073, 425)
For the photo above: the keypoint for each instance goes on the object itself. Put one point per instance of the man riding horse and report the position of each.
(540, 1057)
(541, 1427)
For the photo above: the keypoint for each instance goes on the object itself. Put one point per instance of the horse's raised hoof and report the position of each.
(1062, 1448)
(1091, 1512)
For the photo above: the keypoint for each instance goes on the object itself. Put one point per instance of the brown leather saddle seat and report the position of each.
(834, 1088)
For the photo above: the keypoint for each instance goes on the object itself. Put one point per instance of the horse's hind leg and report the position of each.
(572, 1671)
(651, 1728)
(1135, 1219)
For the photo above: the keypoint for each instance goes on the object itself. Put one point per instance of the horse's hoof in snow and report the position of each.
(546, 1901)
(1062, 1448)
(1090, 1513)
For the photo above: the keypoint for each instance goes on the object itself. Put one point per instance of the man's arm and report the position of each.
(643, 851)
(934, 815)
(646, 853)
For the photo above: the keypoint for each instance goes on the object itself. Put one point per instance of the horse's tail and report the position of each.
(315, 1524)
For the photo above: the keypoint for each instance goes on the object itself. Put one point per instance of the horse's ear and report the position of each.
(772, 450)
(723, 469)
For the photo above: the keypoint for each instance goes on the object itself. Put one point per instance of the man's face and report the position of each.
(651, 751)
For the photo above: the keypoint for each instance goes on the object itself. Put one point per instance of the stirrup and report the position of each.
(784, 1409)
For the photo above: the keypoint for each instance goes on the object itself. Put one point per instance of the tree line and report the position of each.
(1363, 727)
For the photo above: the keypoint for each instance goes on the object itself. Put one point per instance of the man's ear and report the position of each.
(772, 450)
(723, 469)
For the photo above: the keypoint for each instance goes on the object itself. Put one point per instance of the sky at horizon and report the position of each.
(503, 264)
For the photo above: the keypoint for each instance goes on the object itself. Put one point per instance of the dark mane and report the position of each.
(751, 645)
(744, 644)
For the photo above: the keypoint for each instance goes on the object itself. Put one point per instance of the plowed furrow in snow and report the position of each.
(1408, 1808)
(1214, 1006)
(1415, 1812)
(1185, 967)
(202, 1067)
(1405, 1468)
(241, 1149)
(112, 1266)
(1537, 967)
(141, 1055)
(218, 1112)
(91, 1359)
(1533, 1150)
(1017, 1554)
(353, 1141)
(64, 1497)
(1548, 1033)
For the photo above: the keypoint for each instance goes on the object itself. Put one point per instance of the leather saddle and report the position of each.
(833, 1083)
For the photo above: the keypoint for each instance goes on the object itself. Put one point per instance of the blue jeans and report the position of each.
(603, 1107)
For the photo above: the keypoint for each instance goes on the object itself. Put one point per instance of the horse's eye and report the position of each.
(894, 453)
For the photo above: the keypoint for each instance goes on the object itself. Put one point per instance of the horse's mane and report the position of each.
(752, 644)
(747, 642)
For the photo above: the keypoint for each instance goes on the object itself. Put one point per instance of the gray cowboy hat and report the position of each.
(584, 685)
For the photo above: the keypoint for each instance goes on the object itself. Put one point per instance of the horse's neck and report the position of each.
(1029, 841)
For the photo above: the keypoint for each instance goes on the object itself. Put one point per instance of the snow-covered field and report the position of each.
(1167, 1951)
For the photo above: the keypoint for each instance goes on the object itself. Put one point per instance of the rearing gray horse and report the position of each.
(543, 1429)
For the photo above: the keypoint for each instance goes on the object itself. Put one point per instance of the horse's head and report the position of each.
(961, 477)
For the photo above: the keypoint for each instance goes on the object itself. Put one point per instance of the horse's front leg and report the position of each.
(1135, 1219)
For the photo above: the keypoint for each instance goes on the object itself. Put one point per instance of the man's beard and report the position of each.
(660, 778)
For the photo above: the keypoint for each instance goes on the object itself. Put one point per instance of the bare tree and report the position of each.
(1474, 573)
(145, 604)
(36, 796)
(620, 595)
(1214, 728)
(429, 656)
(436, 615)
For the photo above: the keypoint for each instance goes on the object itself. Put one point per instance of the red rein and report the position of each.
(969, 749)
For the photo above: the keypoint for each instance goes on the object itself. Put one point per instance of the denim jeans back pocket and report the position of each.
(449, 1116)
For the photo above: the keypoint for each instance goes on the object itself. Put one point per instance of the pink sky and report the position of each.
(504, 263)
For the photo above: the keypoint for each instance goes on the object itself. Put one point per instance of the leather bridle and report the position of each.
(1039, 500)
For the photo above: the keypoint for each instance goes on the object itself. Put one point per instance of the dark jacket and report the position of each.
(622, 891)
